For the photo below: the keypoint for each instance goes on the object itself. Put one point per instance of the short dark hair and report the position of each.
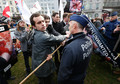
(46, 17)
(65, 15)
(32, 16)
(54, 14)
(70, 14)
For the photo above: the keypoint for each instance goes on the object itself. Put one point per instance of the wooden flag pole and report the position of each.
(116, 45)
(39, 66)
(117, 56)
(32, 72)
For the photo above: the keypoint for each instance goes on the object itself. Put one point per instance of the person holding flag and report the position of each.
(41, 47)
(21, 34)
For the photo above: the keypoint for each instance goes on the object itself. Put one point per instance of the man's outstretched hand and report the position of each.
(116, 29)
(49, 57)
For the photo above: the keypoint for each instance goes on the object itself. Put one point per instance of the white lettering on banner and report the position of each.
(2, 29)
(100, 45)
(86, 45)
(8, 67)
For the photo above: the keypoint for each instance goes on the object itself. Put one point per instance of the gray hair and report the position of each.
(79, 25)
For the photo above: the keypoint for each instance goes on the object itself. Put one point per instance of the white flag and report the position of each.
(24, 10)
(48, 13)
(36, 7)
(62, 10)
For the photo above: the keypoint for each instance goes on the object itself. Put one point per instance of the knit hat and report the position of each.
(20, 21)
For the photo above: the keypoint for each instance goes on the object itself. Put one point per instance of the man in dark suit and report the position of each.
(56, 23)
(59, 28)
(65, 19)
(49, 26)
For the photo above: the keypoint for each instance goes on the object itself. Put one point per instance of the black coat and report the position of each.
(62, 23)
(51, 30)
(3, 64)
(75, 59)
(58, 27)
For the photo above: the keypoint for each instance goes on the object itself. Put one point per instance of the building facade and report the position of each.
(12, 5)
(112, 5)
(52, 4)
(96, 8)
(93, 8)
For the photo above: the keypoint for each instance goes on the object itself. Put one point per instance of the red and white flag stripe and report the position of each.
(6, 11)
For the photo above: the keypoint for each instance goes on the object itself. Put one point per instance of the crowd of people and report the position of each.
(72, 59)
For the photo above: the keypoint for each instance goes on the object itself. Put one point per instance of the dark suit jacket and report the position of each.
(51, 30)
(62, 23)
(58, 27)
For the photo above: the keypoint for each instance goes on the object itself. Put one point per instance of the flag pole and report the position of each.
(117, 56)
(39, 65)
(10, 8)
(24, 10)
(22, 18)
(81, 7)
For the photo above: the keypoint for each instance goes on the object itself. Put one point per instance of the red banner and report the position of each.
(7, 48)
(5, 43)
(76, 5)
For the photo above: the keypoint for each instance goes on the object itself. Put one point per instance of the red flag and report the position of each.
(6, 11)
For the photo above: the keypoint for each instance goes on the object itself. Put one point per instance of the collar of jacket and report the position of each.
(54, 22)
(114, 20)
(75, 36)
(40, 30)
